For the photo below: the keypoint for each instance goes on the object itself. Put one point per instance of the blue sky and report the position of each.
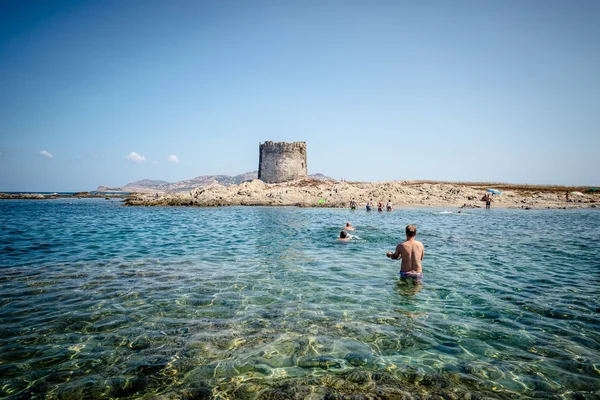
(109, 92)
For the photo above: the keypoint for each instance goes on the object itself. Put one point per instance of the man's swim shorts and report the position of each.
(417, 276)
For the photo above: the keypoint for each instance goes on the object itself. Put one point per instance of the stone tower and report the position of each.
(282, 162)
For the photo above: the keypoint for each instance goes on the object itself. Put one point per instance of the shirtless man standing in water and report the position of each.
(411, 252)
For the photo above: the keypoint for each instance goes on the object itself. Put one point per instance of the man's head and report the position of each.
(348, 224)
(343, 235)
(411, 231)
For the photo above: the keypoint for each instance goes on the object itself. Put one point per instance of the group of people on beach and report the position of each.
(487, 197)
(370, 207)
(411, 252)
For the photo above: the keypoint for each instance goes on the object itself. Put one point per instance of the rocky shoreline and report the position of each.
(80, 195)
(336, 194)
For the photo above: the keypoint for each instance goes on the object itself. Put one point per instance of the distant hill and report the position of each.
(321, 177)
(148, 185)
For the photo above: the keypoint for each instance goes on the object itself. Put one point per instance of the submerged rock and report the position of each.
(325, 362)
(197, 394)
(355, 359)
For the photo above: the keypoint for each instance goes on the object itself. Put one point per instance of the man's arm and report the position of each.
(396, 255)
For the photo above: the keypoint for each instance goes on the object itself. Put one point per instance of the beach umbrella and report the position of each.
(590, 190)
(577, 193)
(494, 191)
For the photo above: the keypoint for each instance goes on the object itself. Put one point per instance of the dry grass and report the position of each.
(507, 186)
(473, 185)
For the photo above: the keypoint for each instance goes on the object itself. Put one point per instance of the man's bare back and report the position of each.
(411, 252)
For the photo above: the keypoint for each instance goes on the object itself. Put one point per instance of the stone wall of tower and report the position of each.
(282, 162)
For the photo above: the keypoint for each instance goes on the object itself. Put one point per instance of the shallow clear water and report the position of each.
(103, 301)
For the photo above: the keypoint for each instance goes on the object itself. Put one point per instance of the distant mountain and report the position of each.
(321, 177)
(148, 185)
(200, 181)
(248, 176)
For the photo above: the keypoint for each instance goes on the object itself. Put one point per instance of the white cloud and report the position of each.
(133, 156)
(46, 154)
(174, 159)
(154, 162)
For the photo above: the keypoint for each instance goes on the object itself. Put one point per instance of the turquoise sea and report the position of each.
(101, 301)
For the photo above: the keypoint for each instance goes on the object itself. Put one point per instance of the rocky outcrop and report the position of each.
(109, 189)
(314, 193)
(39, 196)
(28, 196)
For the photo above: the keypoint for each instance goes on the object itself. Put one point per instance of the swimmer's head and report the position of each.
(343, 235)
(348, 224)
(411, 231)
